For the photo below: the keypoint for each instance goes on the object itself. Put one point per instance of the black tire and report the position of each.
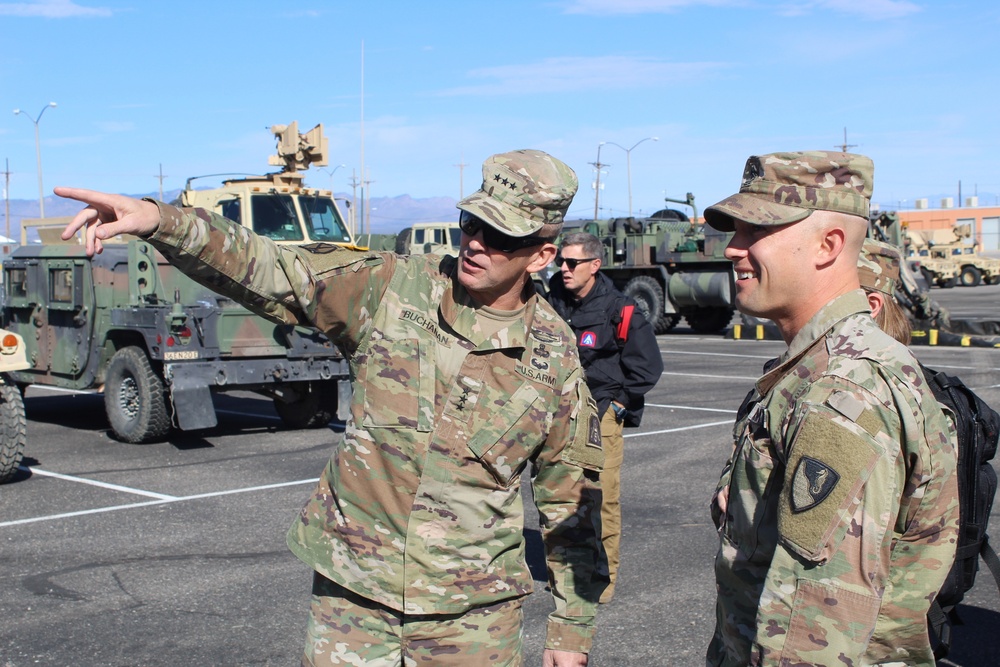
(666, 323)
(315, 406)
(928, 276)
(949, 283)
(403, 242)
(708, 320)
(993, 280)
(971, 276)
(648, 297)
(12, 430)
(135, 399)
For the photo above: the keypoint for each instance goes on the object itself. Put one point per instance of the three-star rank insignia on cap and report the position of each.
(812, 483)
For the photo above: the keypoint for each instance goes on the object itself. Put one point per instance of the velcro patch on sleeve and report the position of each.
(829, 463)
(584, 448)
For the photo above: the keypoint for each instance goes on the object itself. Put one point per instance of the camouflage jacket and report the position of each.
(419, 507)
(842, 513)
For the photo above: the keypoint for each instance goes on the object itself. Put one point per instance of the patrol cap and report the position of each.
(878, 266)
(522, 191)
(780, 188)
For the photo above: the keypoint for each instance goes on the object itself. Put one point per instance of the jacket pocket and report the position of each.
(394, 386)
(507, 436)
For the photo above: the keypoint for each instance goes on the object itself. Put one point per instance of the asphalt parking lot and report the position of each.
(173, 553)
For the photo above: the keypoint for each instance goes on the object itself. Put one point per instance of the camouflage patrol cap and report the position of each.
(878, 266)
(780, 188)
(522, 190)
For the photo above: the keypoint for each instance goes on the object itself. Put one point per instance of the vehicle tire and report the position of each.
(666, 323)
(135, 398)
(949, 283)
(994, 280)
(708, 320)
(403, 242)
(928, 277)
(971, 276)
(12, 430)
(648, 297)
(315, 406)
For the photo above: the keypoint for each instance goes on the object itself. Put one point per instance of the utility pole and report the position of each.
(366, 201)
(844, 146)
(6, 196)
(597, 184)
(161, 177)
(354, 203)
(461, 187)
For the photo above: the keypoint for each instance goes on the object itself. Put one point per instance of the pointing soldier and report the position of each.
(838, 508)
(463, 380)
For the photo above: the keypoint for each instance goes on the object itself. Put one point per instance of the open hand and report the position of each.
(108, 215)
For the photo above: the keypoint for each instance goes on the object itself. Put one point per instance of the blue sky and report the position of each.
(195, 86)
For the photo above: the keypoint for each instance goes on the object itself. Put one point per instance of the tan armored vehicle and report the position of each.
(954, 253)
(12, 421)
(279, 205)
(423, 238)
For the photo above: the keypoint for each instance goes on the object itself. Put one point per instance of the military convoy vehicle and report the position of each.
(423, 238)
(156, 342)
(953, 256)
(12, 419)
(671, 266)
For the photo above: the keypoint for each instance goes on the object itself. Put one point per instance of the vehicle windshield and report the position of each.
(323, 220)
(274, 217)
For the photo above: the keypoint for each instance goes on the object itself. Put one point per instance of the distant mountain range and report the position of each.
(388, 214)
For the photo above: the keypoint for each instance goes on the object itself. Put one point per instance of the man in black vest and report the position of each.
(621, 359)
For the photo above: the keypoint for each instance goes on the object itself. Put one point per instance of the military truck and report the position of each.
(671, 266)
(956, 253)
(12, 419)
(156, 342)
(423, 238)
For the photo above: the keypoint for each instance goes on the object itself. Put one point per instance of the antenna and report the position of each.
(844, 146)
(161, 177)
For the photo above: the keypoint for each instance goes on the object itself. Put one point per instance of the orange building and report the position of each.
(984, 220)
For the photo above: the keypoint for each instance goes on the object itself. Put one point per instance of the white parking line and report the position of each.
(149, 503)
(715, 377)
(94, 482)
(671, 430)
(688, 407)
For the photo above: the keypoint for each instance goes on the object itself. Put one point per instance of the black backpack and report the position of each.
(978, 427)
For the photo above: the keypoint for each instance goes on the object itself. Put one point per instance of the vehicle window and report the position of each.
(231, 209)
(323, 221)
(274, 217)
(17, 283)
(61, 285)
(456, 237)
(418, 236)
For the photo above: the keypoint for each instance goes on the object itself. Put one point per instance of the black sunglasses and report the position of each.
(471, 225)
(572, 263)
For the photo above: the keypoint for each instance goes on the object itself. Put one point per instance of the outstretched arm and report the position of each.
(108, 215)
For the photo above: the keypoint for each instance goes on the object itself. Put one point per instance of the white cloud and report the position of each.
(642, 6)
(51, 9)
(574, 74)
(868, 9)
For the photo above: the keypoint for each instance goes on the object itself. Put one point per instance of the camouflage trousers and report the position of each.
(611, 488)
(348, 629)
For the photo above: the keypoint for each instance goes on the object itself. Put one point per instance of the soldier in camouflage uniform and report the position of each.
(463, 380)
(879, 274)
(838, 508)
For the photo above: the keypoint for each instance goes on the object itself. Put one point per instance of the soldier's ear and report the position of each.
(544, 256)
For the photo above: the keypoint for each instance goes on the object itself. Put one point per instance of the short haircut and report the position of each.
(592, 245)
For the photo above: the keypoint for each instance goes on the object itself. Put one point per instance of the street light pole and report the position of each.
(628, 166)
(38, 155)
(332, 172)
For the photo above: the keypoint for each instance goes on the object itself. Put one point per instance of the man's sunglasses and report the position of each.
(471, 225)
(572, 263)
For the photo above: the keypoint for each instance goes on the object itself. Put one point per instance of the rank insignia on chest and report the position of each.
(812, 483)
(588, 339)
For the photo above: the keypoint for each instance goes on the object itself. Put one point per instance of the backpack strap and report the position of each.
(626, 320)
(991, 560)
